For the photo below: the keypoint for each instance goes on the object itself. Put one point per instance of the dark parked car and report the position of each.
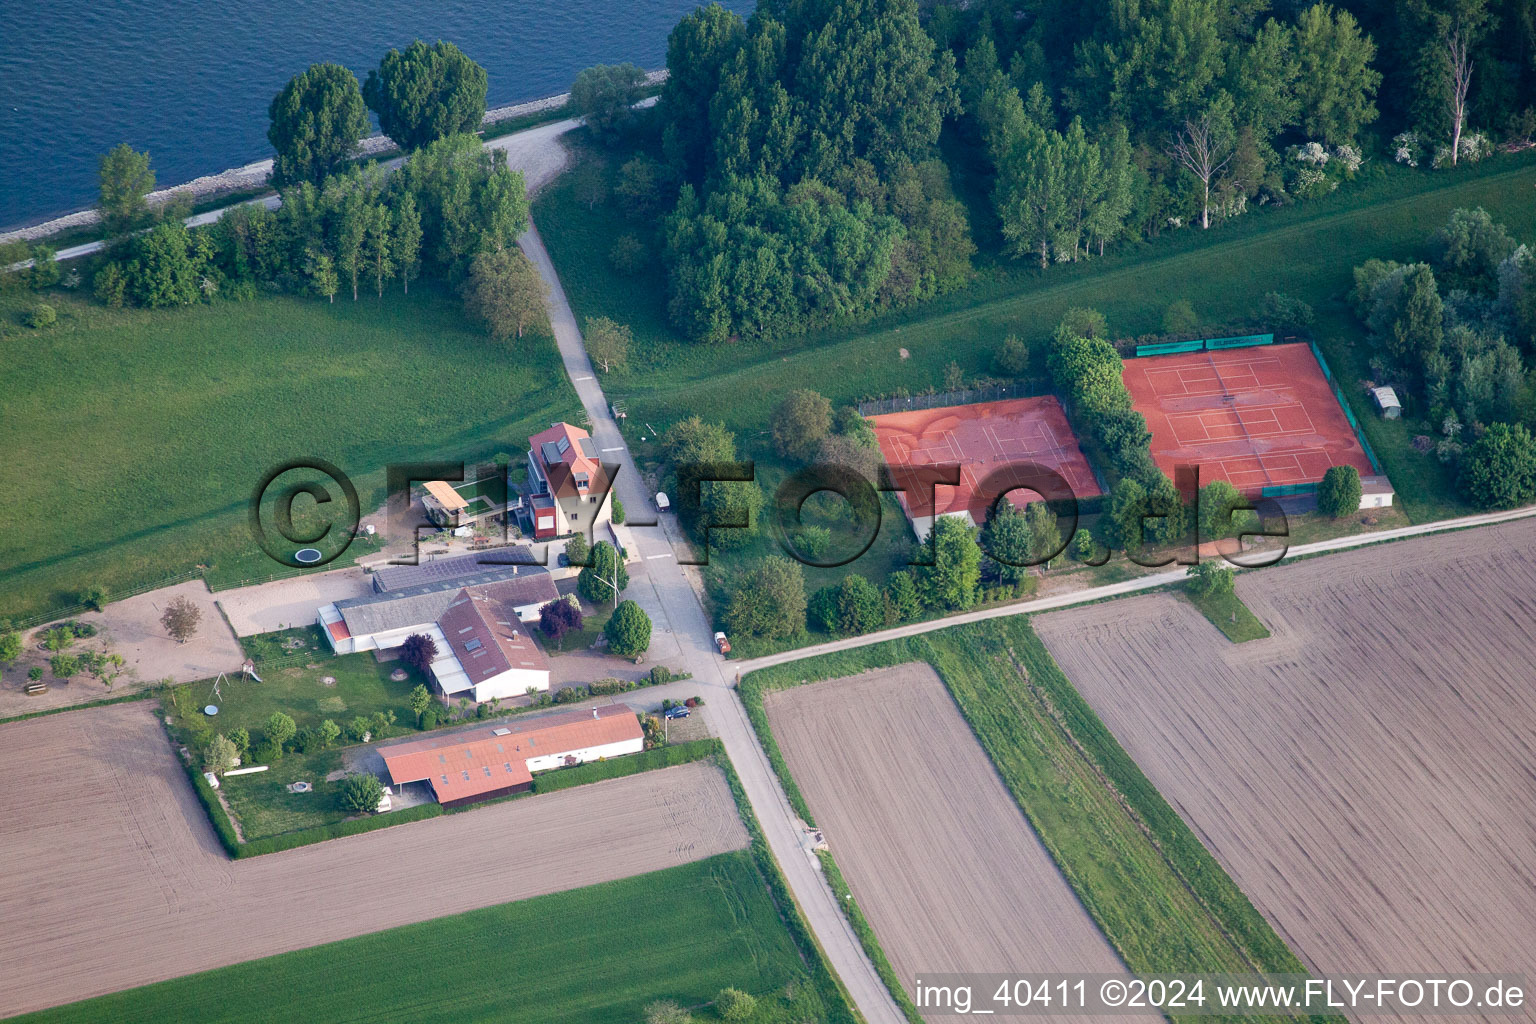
(678, 712)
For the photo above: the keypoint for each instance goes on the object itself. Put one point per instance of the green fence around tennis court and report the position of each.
(1167, 348)
(1349, 414)
(1241, 341)
(1288, 490)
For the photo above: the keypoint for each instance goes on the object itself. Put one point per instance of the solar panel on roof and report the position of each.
(473, 644)
(563, 445)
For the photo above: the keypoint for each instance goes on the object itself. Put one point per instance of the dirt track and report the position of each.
(113, 878)
(940, 858)
(1367, 775)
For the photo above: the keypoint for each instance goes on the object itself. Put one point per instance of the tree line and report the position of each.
(804, 141)
(797, 149)
(1453, 335)
(452, 211)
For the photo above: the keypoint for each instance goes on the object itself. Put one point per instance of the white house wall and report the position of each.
(512, 683)
(547, 761)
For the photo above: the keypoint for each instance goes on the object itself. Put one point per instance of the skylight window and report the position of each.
(473, 644)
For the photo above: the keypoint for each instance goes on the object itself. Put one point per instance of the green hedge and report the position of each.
(319, 834)
(217, 816)
(629, 764)
(126, 698)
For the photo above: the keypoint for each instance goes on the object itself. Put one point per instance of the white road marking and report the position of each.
(664, 554)
(575, 380)
(613, 449)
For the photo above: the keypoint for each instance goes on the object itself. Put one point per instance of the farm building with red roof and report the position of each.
(478, 764)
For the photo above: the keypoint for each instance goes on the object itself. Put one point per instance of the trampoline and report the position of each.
(307, 556)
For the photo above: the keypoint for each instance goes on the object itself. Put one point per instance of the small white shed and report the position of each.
(1386, 401)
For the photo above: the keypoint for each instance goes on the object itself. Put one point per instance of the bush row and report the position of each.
(629, 764)
(352, 827)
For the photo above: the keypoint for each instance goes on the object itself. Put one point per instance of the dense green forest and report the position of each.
(798, 149)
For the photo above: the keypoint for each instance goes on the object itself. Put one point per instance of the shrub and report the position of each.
(360, 793)
(1180, 318)
(1210, 579)
(428, 719)
(42, 315)
(665, 1011)
(267, 752)
(306, 741)
(1286, 313)
(618, 511)
(902, 603)
(628, 255)
(628, 630)
(279, 729)
(219, 755)
(1339, 493)
(570, 694)
(242, 741)
(1499, 468)
(359, 727)
(34, 673)
(799, 423)
(1013, 356)
(64, 665)
(735, 1005)
(94, 597)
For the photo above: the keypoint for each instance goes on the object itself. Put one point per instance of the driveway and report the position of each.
(282, 604)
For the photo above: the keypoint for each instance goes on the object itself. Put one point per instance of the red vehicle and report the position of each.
(722, 643)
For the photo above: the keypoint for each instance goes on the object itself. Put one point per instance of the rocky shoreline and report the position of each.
(254, 175)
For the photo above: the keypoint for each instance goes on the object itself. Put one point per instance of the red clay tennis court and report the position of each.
(1256, 417)
(980, 439)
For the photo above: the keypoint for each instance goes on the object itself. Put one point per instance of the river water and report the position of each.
(190, 80)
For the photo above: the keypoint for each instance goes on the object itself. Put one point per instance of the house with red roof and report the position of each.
(478, 764)
(568, 489)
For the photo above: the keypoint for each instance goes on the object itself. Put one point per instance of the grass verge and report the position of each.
(1228, 614)
(1154, 890)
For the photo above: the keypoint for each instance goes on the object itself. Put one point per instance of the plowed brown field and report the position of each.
(943, 863)
(1367, 775)
(110, 875)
